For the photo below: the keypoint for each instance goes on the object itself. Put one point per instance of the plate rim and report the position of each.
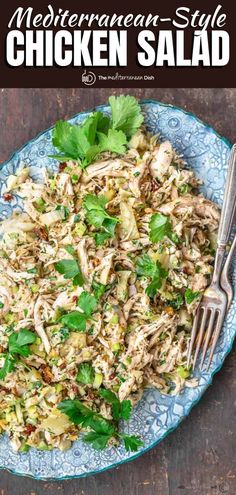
(145, 101)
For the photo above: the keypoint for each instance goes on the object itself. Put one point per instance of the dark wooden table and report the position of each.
(199, 458)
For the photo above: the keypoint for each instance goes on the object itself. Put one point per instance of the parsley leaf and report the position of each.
(177, 301)
(76, 320)
(19, 341)
(101, 237)
(97, 440)
(77, 142)
(40, 205)
(65, 211)
(132, 442)
(92, 202)
(87, 303)
(7, 367)
(70, 249)
(146, 267)
(84, 142)
(115, 141)
(98, 289)
(70, 269)
(190, 296)
(160, 226)
(79, 414)
(108, 395)
(97, 216)
(76, 411)
(126, 114)
(120, 409)
(85, 374)
(102, 429)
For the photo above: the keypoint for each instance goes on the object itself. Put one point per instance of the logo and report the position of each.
(88, 78)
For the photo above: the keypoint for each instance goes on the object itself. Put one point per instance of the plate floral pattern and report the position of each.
(155, 415)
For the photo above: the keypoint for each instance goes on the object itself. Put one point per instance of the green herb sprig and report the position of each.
(146, 267)
(18, 345)
(76, 320)
(98, 133)
(161, 226)
(102, 429)
(71, 270)
(97, 216)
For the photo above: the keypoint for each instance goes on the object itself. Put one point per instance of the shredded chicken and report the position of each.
(136, 335)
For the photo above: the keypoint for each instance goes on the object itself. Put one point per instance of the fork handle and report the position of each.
(227, 213)
(229, 201)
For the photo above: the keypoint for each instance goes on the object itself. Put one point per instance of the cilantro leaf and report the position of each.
(126, 114)
(132, 442)
(160, 226)
(7, 367)
(70, 269)
(148, 268)
(85, 374)
(18, 342)
(115, 141)
(87, 303)
(190, 296)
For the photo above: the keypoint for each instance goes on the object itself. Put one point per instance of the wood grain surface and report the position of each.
(199, 458)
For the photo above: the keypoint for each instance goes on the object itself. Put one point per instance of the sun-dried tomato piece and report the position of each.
(29, 429)
(7, 197)
(42, 233)
(46, 373)
(62, 166)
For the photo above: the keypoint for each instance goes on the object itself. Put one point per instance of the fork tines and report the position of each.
(205, 333)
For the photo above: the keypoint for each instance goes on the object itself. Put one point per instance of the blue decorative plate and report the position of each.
(155, 415)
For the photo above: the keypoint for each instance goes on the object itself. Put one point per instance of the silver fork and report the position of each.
(224, 280)
(211, 311)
